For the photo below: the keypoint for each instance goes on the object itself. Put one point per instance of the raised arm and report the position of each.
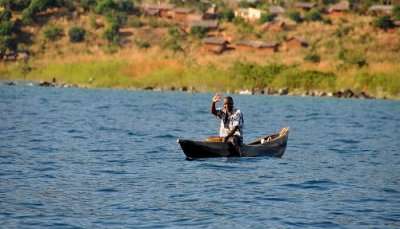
(215, 99)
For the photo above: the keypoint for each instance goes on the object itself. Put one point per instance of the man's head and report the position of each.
(228, 103)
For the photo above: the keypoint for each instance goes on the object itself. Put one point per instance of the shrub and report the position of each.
(5, 15)
(353, 58)
(135, 22)
(259, 75)
(227, 15)
(266, 18)
(173, 40)
(313, 15)
(112, 33)
(27, 16)
(16, 5)
(308, 80)
(243, 26)
(87, 4)
(7, 43)
(6, 28)
(52, 33)
(76, 34)
(396, 12)
(199, 32)
(107, 6)
(142, 44)
(295, 16)
(312, 57)
(384, 22)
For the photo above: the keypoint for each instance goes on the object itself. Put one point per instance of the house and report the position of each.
(216, 45)
(339, 9)
(259, 46)
(276, 10)
(162, 10)
(295, 43)
(211, 13)
(206, 24)
(305, 6)
(274, 26)
(181, 14)
(249, 14)
(380, 10)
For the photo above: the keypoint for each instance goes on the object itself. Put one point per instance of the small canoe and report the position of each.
(271, 145)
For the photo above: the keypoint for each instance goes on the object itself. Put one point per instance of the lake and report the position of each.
(76, 158)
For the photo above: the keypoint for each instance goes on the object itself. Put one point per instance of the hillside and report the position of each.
(125, 44)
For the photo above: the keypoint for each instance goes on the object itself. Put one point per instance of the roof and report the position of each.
(183, 10)
(152, 12)
(211, 24)
(304, 5)
(382, 8)
(162, 6)
(257, 44)
(341, 6)
(276, 10)
(272, 23)
(299, 39)
(215, 41)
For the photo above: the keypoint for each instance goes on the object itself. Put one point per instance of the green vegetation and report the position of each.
(347, 53)
(384, 22)
(52, 32)
(199, 32)
(396, 12)
(266, 17)
(313, 15)
(76, 34)
(295, 16)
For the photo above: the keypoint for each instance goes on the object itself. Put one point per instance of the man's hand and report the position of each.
(216, 98)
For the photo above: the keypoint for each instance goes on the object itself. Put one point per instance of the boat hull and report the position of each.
(203, 149)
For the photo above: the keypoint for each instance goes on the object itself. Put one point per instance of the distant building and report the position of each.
(250, 45)
(161, 10)
(274, 26)
(295, 43)
(215, 45)
(380, 10)
(209, 25)
(306, 6)
(339, 9)
(249, 14)
(276, 10)
(181, 14)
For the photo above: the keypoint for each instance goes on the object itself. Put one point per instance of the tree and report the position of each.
(227, 14)
(266, 17)
(52, 33)
(295, 16)
(396, 12)
(384, 22)
(313, 15)
(76, 34)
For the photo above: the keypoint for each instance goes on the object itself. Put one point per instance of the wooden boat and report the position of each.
(271, 145)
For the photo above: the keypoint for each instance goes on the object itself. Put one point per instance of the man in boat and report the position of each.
(231, 122)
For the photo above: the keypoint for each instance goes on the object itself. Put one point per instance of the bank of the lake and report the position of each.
(174, 72)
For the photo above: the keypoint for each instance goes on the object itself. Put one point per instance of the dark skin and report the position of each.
(228, 107)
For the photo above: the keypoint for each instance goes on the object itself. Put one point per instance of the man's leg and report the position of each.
(236, 142)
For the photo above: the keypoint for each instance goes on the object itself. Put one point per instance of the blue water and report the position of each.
(73, 158)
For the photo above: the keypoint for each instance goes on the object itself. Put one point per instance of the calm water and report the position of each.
(73, 158)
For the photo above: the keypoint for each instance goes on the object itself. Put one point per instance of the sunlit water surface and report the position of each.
(73, 158)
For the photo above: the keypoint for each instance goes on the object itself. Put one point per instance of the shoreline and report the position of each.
(341, 94)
